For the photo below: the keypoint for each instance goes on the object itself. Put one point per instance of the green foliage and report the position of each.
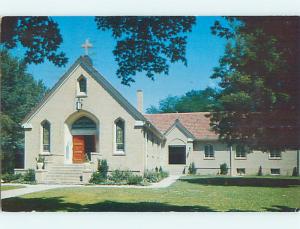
(192, 168)
(134, 179)
(223, 169)
(153, 177)
(147, 44)
(295, 172)
(259, 171)
(192, 101)
(259, 78)
(19, 93)
(40, 159)
(40, 36)
(29, 176)
(97, 178)
(119, 176)
(103, 168)
(8, 177)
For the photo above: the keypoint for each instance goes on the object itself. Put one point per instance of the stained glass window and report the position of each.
(82, 85)
(120, 135)
(46, 136)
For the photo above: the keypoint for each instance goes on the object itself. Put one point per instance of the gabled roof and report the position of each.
(182, 128)
(196, 123)
(86, 64)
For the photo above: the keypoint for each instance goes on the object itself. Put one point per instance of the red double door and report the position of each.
(78, 149)
(81, 145)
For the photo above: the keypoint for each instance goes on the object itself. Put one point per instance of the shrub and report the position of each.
(156, 169)
(192, 168)
(160, 169)
(295, 172)
(134, 179)
(97, 178)
(29, 176)
(223, 169)
(8, 177)
(153, 177)
(103, 168)
(259, 171)
(118, 176)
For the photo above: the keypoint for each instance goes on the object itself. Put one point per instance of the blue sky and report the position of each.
(203, 52)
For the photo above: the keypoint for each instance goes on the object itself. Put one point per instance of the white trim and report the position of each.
(139, 123)
(27, 126)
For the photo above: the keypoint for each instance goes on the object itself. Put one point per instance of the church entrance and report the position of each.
(84, 139)
(83, 145)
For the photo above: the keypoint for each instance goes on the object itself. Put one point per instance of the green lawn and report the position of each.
(10, 187)
(191, 193)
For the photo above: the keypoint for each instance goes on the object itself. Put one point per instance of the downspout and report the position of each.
(298, 162)
(230, 160)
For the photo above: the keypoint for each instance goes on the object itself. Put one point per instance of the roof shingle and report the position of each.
(194, 122)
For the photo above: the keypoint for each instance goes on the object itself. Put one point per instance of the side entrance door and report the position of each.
(78, 149)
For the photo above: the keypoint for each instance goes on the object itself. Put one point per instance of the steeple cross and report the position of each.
(86, 46)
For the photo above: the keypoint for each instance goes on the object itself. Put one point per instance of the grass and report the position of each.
(190, 193)
(10, 187)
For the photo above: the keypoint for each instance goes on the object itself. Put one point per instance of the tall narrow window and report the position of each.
(46, 136)
(120, 135)
(82, 85)
(209, 151)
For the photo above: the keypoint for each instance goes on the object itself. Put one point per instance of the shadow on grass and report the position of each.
(243, 181)
(58, 204)
(279, 208)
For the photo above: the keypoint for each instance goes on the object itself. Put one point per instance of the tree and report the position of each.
(259, 76)
(147, 44)
(40, 36)
(192, 101)
(19, 94)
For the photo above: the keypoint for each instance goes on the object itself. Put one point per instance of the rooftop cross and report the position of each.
(86, 46)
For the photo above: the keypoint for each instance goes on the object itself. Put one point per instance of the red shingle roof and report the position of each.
(194, 122)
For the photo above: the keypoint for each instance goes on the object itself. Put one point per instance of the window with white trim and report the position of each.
(209, 151)
(120, 135)
(81, 87)
(241, 171)
(240, 151)
(275, 171)
(46, 136)
(275, 154)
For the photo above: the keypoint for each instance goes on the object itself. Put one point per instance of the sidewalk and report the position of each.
(43, 187)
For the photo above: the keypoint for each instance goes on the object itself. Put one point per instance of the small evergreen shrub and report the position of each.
(295, 172)
(103, 168)
(160, 169)
(29, 176)
(259, 171)
(192, 168)
(223, 169)
(156, 169)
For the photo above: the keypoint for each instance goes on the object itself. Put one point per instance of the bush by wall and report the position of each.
(27, 178)
(295, 172)
(223, 169)
(192, 168)
(259, 171)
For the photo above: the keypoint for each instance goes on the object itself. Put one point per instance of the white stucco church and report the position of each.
(84, 118)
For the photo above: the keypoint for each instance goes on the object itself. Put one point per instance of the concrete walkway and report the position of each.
(42, 187)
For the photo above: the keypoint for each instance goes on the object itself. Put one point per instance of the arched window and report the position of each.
(120, 135)
(82, 84)
(209, 151)
(46, 136)
(84, 123)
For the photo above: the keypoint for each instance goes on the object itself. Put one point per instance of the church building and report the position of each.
(84, 119)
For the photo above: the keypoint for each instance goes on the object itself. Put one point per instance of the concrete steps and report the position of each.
(64, 174)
